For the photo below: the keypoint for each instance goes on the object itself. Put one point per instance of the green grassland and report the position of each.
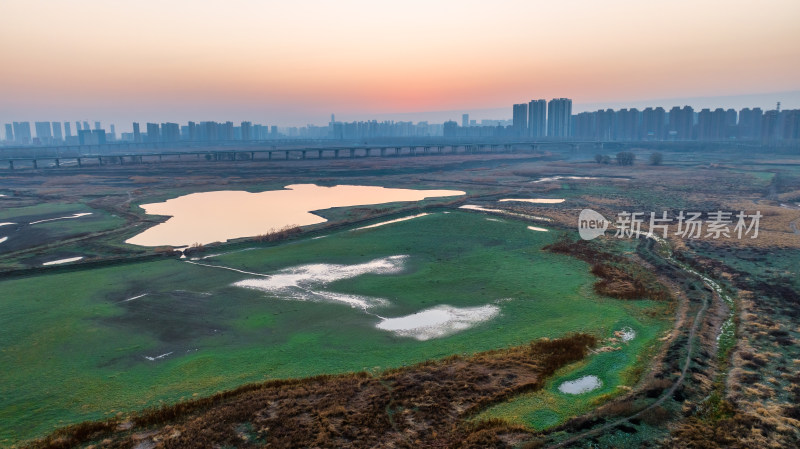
(549, 407)
(73, 349)
(22, 235)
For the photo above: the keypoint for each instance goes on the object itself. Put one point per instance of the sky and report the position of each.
(296, 62)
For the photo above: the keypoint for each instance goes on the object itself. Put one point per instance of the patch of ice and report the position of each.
(557, 178)
(60, 261)
(534, 228)
(158, 356)
(302, 283)
(438, 321)
(493, 219)
(626, 334)
(535, 200)
(6, 223)
(135, 297)
(504, 212)
(82, 214)
(391, 221)
(222, 254)
(580, 385)
(3, 239)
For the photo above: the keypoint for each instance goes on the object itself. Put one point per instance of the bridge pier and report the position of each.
(287, 154)
(252, 155)
(58, 163)
(34, 164)
(79, 162)
(10, 165)
(99, 160)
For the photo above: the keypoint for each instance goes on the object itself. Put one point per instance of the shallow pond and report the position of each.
(581, 385)
(218, 216)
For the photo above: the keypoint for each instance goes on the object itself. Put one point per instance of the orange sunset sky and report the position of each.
(295, 62)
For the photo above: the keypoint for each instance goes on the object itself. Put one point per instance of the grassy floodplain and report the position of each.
(40, 233)
(75, 349)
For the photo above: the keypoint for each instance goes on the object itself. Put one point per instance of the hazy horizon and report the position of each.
(766, 101)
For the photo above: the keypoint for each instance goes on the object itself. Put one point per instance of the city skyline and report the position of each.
(295, 64)
(536, 119)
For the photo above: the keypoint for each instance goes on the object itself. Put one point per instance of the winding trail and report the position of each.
(689, 352)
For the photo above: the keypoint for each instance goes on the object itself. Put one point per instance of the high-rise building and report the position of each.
(57, 136)
(9, 132)
(22, 133)
(653, 123)
(520, 120)
(227, 131)
(97, 125)
(585, 125)
(170, 132)
(750, 123)
(605, 123)
(559, 117)
(718, 124)
(86, 125)
(43, 133)
(247, 130)
(153, 133)
(99, 136)
(78, 126)
(67, 130)
(770, 129)
(450, 128)
(137, 135)
(112, 132)
(192, 132)
(465, 120)
(730, 130)
(628, 124)
(537, 118)
(85, 137)
(681, 123)
(791, 125)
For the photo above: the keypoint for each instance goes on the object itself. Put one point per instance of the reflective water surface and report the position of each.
(218, 216)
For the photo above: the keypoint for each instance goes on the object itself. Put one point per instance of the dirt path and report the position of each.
(668, 393)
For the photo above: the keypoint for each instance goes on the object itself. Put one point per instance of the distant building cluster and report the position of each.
(540, 119)
(535, 120)
(52, 133)
(656, 124)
